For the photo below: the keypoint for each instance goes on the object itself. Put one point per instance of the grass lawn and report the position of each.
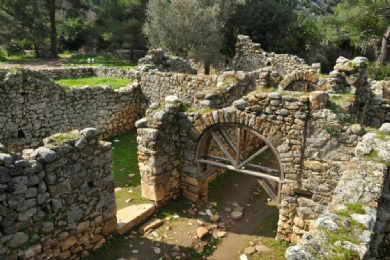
(18, 58)
(116, 83)
(81, 59)
(126, 163)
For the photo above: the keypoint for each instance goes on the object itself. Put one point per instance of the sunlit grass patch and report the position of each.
(115, 83)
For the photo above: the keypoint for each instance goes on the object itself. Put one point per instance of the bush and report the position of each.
(378, 71)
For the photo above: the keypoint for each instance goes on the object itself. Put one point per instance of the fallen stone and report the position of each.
(243, 257)
(221, 234)
(131, 216)
(156, 250)
(152, 224)
(202, 232)
(228, 210)
(240, 209)
(118, 189)
(250, 250)
(236, 215)
(214, 218)
(128, 200)
(263, 249)
(191, 211)
(385, 127)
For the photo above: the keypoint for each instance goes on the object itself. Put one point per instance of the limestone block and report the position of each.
(151, 224)
(152, 192)
(131, 216)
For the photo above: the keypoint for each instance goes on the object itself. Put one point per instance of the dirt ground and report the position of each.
(43, 64)
(227, 238)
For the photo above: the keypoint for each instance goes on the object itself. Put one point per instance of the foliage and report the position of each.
(276, 27)
(187, 27)
(358, 24)
(120, 23)
(378, 71)
(332, 130)
(115, 83)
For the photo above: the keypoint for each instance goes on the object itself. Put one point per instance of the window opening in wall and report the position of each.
(24, 93)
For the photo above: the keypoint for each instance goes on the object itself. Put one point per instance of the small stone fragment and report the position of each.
(201, 232)
(128, 200)
(156, 250)
(243, 257)
(228, 210)
(263, 249)
(236, 215)
(191, 212)
(214, 218)
(250, 250)
(221, 234)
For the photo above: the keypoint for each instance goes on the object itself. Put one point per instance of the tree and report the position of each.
(121, 22)
(268, 22)
(187, 27)
(360, 24)
(26, 22)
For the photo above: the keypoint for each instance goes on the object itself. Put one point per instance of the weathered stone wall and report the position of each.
(58, 201)
(379, 110)
(100, 71)
(166, 63)
(249, 57)
(32, 107)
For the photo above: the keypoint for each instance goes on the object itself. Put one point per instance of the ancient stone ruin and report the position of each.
(57, 197)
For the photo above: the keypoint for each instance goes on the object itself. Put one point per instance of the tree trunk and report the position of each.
(384, 56)
(206, 67)
(51, 6)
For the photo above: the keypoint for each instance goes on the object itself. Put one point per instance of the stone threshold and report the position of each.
(131, 216)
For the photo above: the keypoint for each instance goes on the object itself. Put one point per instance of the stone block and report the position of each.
(151, 224)
(152, 192)
(131, 216)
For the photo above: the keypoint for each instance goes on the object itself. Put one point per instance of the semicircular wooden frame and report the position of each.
(308, 86)
(207, 164)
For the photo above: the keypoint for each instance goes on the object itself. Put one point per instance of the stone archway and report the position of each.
(237, 147)
(303, 81)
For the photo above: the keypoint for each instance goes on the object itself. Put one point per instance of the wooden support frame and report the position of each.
(308, 86)
(236, 157)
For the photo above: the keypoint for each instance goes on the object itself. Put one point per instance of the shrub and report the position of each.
(378, 71)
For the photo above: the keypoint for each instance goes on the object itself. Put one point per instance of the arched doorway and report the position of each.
(241, 149)
(303, 86)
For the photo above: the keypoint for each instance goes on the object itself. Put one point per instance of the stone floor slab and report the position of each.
(131, 216)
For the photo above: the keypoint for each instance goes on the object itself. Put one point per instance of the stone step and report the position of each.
(131, 216)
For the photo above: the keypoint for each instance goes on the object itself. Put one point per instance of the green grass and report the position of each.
(116, 83)
(125, 158)
(18, 58)
(125, 163)
(378, 71)
(81, 59)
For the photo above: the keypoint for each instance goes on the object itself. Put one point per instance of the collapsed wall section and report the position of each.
(249, 57)
(33, 107)
(57, 201)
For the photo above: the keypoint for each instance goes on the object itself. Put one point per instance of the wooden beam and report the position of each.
(253, 156)
(203, 175)
(225, 151)
(229, 167)
(266, 169)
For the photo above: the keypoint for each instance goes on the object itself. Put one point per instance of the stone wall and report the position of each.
(32, 107)
(58, 201)
(101, 71)
(379, 110)
(167, 63)
(249, 57)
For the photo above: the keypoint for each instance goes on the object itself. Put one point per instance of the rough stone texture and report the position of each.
(133, 215)
(33, 107)
(249, 57)
(74, 199)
